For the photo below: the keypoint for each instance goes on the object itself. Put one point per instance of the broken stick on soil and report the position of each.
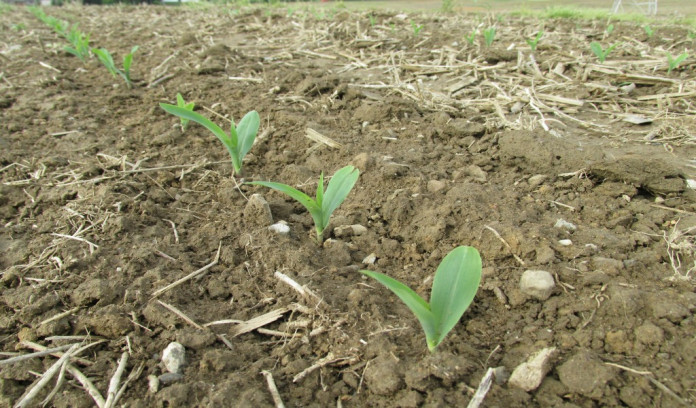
(273, 389)
(190, 275)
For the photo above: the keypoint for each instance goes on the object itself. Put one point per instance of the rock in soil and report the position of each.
(537, 284)
(531, 373)
(174, 357)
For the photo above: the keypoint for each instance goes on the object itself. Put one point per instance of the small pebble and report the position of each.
(153, 383)
(537, 284)
(370, 259)
(280, 228)
(529, 375)
(174, 357)
(565, 242)
(170, 378)
(563, 224)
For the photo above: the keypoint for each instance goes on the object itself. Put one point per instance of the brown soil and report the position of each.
(104, 200)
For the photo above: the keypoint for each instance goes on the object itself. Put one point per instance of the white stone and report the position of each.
(537, 284)
(280, 228)
(370, 259)
(529, 375)
(565, 242)
(174, 357)
(563, 224)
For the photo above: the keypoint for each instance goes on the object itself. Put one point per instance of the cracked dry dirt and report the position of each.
(104, 200)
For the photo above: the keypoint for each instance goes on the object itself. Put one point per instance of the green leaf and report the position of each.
(298, 195)
(105, 57)
(327, 201)
(200, 119)
(320, 190)
(597, 50)
(455, 284)
(338, 189)
(415, 303)
(180, 102)
(247, 129)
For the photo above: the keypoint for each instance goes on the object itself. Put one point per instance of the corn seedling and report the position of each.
(648, 31)
(489, 36)
(181, 103)
(79, 43)
(105, 57)
(326, 202)
(600, 52)
(373, 19)
(532, 42)
(674, 62)
(609, 30)
(416, 28)
(455, 284)
(238, 142)
(471, 37)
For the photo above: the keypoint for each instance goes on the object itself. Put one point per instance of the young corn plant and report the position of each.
(416, 28)
(532, 42)
(455, 284)
(471, 37)
(238, 142)
(674, 62)
(79, 42)
(609, 30)
(489, 36)
(181, 103)
(648, 31)
(326, 202)
(105, 57)
(600, 52)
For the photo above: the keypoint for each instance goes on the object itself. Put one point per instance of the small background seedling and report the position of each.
(455, 284)
(532, 42)
(416, 28)
(471, 37)
(238, 142)
(107, 60)
(325, 203)
(648, 31)
(674, 62)
(489, 36)
(600, 52)
(609, 30)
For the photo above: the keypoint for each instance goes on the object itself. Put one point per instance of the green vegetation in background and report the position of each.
(4, 8)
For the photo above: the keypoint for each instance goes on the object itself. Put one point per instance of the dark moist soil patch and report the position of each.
(104, 201)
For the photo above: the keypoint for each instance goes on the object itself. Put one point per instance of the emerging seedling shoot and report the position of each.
(600, 52)
(327, 201)
(533, 42)
(238, 142)
(105, 57)
(181, 103)
(455, 284)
